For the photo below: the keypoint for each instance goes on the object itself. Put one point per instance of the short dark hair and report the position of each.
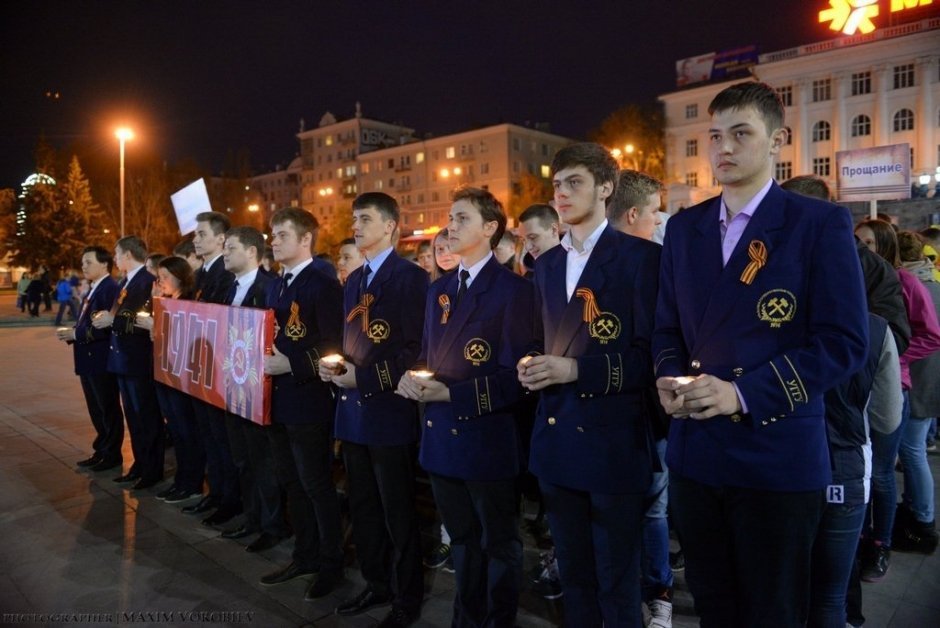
(185, 248)
(597, 159)
(488, 205)
(383, 203)
(931, 234)
(218, 222)
(303, 222)
(346, 241)
(760, 96)
(808, 185)
(633, 188)
(268, 253)
(248, 236)
(102, 255)
(135, 246)
(423, 245)
(180, 268)
(910, 246)
(886, 240)
(545, 214)
(154, 259)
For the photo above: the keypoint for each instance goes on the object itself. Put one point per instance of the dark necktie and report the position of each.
(364, 280)
(230, 299)
(284, 283)
(462, 289)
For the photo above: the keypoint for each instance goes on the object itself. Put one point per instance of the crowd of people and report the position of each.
(747, 375)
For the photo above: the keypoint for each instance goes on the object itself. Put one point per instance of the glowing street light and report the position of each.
(123, 134)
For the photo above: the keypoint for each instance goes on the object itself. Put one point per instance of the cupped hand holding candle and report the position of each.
(331, 365)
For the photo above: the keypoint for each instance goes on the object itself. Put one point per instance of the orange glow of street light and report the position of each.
(445, 173)
(629, 148)
(124, 134)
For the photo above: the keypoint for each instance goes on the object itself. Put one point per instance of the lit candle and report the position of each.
(61, 330)
(525, 361)
(143, 314)
(423, 375)
(97, 314)
(685, 379)
(333, 360)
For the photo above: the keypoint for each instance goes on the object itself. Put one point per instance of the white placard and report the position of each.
(189, 203)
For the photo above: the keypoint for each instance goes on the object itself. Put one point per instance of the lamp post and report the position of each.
(123, 134)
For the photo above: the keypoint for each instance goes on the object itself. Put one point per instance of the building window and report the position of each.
(691, 111)
(691, 148)
(691, 179)
(516, 167)
(786, 95)
(822, 90)
(391, 164)
(821, 166)
(379, 184)
(328, 140)
(466, 150)
(861, 83)
(789, 135)
(419, 158)
(435, 197)
(544, 150)
(783, 170)
(485, 168)
(391, 183)
(365, 167)
(449, 152)
(861, 126)
(516, 145)
(904, 76)
(904, 120)
(821, 131)
(546, 171)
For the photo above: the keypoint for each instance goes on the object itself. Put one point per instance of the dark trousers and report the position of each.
(261, 495)
(177, 407)
(103, 398)
(384, 520)
(483, 522)
(220, 470)
(303, 455)
(747, 552)
(62, 306)
(144, 424)
(597, 543)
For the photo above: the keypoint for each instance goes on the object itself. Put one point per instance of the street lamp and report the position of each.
(123, 134)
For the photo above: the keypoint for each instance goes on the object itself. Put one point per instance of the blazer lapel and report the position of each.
(458, 319)
(764, 225)
(376, 289)
(592, 277)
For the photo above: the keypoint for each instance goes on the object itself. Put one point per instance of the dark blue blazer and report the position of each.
(309, 315)
(91, 346)
(214, 285)
(371, 413)
(131, 348)
(257, 296)
(593, 434)
(474, 436)
(796, 331)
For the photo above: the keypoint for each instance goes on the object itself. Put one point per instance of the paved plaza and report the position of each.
(75, 543)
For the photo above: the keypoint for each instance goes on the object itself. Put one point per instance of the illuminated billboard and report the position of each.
(716, 66)
(859, 16)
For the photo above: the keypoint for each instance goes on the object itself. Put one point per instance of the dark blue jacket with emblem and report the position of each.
(371, 413)
(593, 434)
(798, 329)
(309, 316)
(131, 348)
(474, 436)
(91, 346)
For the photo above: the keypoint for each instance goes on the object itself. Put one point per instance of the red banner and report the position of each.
(215, 353)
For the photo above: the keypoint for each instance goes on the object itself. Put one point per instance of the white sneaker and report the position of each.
(660, 614)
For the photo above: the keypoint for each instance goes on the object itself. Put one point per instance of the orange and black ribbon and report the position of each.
(758, 254)
(591, 311)
(362, 309)
(444, 302)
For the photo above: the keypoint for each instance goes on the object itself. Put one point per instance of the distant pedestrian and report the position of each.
(34, 292)
(63, 296)
(21, 286)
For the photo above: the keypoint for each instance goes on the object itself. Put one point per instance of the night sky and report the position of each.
(203, 78)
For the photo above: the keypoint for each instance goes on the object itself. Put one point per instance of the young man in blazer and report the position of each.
(90, 346)
(213, 285)
(479, 322)
(131, 360)
(591, 442)
(308, 306)
(384, 307)
(248, 441)
(762, 307)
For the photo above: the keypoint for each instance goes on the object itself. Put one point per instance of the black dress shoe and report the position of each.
(363, 602)
(222, 515)
(127, 478)
(323, 585)
(106, 465)
(264, 542)
(291, 572)
(89, 462)
(205, 504)
(237, 533)
(142, 483)
(398, 618)
(166, 492)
